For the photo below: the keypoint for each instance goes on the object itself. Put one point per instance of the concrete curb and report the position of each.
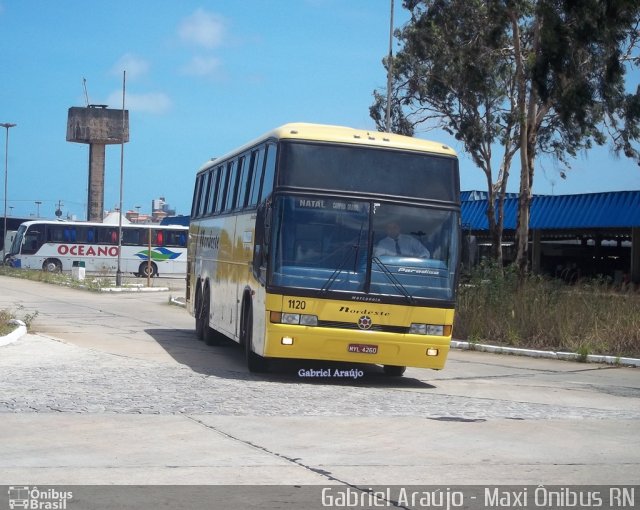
(565, 356)
(178, 302)
(134, 289)
(17, 333)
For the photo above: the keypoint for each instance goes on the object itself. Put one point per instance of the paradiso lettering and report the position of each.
(87, 250)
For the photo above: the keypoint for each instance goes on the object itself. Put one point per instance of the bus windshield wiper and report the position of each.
(394, 280)
(327, 285)
(354, 247)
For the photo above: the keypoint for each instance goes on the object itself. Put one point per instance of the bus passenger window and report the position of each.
(231, 186)
(215, 177)
(224, 172)
(131, 236)
(32, 242)
(247, 180)
(55, 234)
(241, 183)
(159, 238)
(107, 236)
(204, 198)
(196, 196)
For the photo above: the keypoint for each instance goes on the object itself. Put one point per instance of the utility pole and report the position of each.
(6, 125)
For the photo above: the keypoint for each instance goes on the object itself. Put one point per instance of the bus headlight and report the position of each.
(428, 329)
(294, 318)
(290, 318)
(309, 320)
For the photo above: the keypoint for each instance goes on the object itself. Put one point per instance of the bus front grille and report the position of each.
(353, 325)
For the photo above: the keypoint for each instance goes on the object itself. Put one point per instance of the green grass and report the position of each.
(91, 282)
(5, 316)
(588, 318)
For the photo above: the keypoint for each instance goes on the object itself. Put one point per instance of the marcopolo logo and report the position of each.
(21, 496)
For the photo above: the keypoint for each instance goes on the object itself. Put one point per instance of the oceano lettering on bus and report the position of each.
(81, 250)
(348, 309)
(319, 204)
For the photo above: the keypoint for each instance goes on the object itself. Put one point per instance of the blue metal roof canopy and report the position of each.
(616, 209)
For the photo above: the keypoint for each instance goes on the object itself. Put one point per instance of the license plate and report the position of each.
(363, 348)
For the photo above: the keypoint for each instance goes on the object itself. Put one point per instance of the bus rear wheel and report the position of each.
(52, 266)
(145, 270)
(209, 335)
(393, 370)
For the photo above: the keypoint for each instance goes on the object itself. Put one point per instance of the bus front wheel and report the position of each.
(148, 270)
(255, 362)
(52, 266)
(393, 370)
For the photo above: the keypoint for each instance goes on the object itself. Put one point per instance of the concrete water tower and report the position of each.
(97, 126)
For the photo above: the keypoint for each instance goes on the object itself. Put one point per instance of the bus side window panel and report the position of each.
(213, 191)
(222, 184)
(231, 187)
(244, 189)
(131, 236)
(196, 195)
(68, 234)
(57, 234)
(175, 238)
(107, 235)
(32, 241)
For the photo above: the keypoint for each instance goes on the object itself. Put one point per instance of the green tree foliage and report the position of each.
(528, 76)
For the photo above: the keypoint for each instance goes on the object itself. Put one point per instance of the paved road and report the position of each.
(116, 389)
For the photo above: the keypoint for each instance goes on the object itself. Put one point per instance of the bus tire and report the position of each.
(200, 321)
(255, 362)
(393, 370)
(52, 266)
(144, 270)
(209, 335)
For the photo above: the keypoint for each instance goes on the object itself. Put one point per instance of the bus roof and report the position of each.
(340, 134)
(97, 224)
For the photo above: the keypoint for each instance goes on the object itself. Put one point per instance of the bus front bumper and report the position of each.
(331, 344)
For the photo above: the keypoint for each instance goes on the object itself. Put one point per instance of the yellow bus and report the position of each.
(328, 243)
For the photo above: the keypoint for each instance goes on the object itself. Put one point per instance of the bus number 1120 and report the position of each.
(297, 304)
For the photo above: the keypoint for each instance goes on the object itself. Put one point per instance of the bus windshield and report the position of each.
(364, 246)
(17, 240)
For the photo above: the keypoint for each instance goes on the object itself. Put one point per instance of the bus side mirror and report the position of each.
(261, 246)
(267, 232)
